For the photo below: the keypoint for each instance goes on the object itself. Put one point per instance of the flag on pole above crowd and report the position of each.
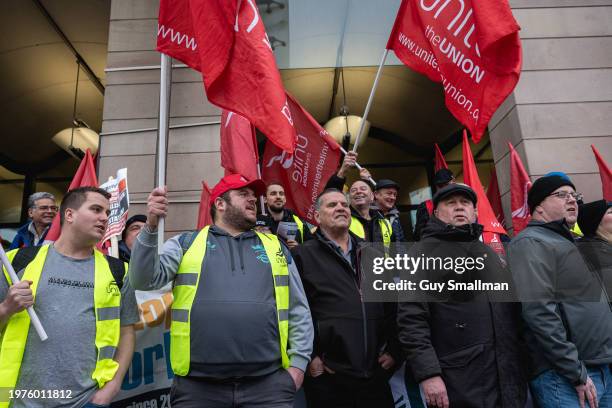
(227, 42)
(439, 163)
(494, 197)
(119, 204)
(238, 146)
(471, 47)
(304, 173)
(85, 176)
(606, 175)
(486, 217)
(204, 217)
(519, 187)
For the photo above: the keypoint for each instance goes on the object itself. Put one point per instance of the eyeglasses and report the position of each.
(44, 208)
(564, 195)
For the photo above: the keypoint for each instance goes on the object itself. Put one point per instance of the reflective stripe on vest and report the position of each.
(356, 228)
(107, 303)
(300, 226)
(186, 285)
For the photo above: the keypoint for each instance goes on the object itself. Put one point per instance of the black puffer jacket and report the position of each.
(349, 334)
(473, 345)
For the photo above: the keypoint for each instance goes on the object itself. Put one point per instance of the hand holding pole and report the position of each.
(14, 278)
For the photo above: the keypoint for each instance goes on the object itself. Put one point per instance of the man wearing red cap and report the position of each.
(241, 331)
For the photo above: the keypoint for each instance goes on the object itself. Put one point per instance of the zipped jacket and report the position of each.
(350, 334)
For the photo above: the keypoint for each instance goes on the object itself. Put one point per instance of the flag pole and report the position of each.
(165, 84)
(15, 279)
(371, 180)
(370, 99)
(261, 199)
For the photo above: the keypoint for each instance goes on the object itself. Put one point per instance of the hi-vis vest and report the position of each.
(385, 228)
(186, 285)
(300, 226)
(107, 305)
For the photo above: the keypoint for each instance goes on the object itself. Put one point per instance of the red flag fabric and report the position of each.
(471, 47)
(519, 187)
(238, 146)
(175, 33)
(234, 57)
(204, 217)
(85, 176)
(606, 175)
(494, 197)
(486, 215)
(303, 174)
(440, 163)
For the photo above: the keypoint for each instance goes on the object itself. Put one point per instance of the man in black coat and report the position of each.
(355, 345)
(464, 352)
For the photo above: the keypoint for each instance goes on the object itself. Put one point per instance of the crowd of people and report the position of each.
(259, 312)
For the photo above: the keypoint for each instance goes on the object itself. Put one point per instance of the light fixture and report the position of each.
(339, 126)
(77, 139)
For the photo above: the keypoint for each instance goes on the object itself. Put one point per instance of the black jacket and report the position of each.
(349, 334)
(473, 345)
(597, 254)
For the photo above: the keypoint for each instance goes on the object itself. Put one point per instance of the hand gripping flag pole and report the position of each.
(165, 84)
(15, 279)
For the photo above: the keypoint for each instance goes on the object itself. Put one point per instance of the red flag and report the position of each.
(606, 175)
(175, 33)
(519, 187)
(85, 176)
(486, 216)
(235, 59)
(440, 163)
(471, 47)
(204, 217)
(305, 173)
(494, 197)
(238, 146)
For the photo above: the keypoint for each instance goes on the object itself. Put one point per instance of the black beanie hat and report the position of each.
(590, 215)
(543, 187)
(131, 220)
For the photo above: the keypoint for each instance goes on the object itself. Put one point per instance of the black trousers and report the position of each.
(341, 391)
(276, 390)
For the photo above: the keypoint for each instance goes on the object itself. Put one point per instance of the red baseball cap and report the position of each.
(236, 182)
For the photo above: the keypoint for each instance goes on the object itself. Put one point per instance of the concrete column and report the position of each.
(563, 101)
(132, 103)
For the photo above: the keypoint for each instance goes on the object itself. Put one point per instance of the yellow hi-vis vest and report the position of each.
(300, 226)
(356, 228)
(186, 285)
(107, 303)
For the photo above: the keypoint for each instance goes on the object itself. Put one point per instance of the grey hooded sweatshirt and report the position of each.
(234, 328)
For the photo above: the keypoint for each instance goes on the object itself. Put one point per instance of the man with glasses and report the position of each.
(568, 319)
(41, 210)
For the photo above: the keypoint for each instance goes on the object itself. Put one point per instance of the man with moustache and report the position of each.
(84, 304)
(463, 349)
(275, 201)
(355, 345)
(566, 311)
(241, 332)
(41, 211)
